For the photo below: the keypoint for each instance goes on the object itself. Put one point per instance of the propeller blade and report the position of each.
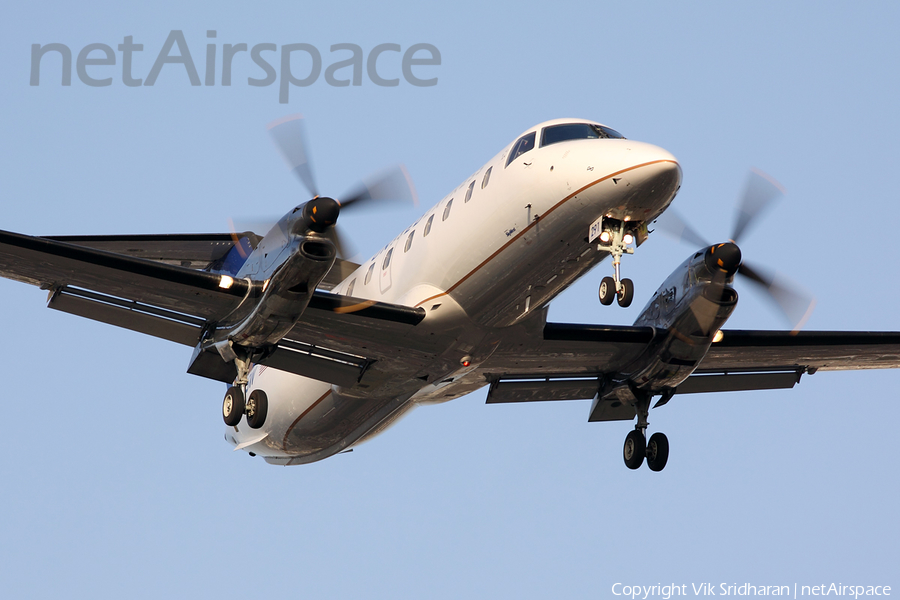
(238, 232)
(259, 226)
(341, 243)
(760, 191)
(289, 135)
(794, 304)
(673, 225)
(392, 184)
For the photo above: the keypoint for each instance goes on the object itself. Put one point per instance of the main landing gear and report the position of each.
(235, 406)
(656, 450)
(616, 238)
(637, 447)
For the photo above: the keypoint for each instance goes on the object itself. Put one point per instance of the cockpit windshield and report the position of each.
(577, 131)
(522, 145)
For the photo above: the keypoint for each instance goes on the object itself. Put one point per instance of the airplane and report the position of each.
(321, 354)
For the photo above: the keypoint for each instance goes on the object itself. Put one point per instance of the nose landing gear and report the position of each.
(623, 291)
(616, 238)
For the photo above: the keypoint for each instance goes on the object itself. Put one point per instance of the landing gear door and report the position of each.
(595, 230)
(385, 278)
(641, 233)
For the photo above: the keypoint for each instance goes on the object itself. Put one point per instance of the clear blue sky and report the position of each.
(116, 482)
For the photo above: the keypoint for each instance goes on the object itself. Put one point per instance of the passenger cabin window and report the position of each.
(369, 273)
(350, 287)
(487, 177)
(409, 241)
(387, 259)
(577, 131)
(447, 210)
(428, 226)
(469, 191)
(523, 145)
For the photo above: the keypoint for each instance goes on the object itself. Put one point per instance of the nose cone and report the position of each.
(652, 165)
(723, 258)
(649, 178)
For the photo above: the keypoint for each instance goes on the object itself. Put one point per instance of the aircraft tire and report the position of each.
(607, 290)
(635, 449)
(258, 405)
(657, 451)
(626, 293)
(233, 406)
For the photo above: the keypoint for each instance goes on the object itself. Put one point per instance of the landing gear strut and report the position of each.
(637, 447)
(616, 239)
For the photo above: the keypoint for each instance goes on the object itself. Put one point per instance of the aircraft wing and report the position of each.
(570, 360)
(135, 282)
(55, 265)
(812, 350)
(150, 284)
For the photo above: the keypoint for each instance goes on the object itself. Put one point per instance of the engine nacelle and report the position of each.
(285, 269)
(690, 306)
(285, 295)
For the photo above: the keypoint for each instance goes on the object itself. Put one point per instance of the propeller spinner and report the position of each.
(320, 214)
(761, 190)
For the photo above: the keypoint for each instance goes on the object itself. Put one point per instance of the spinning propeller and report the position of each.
(320, 214)
(725, 259)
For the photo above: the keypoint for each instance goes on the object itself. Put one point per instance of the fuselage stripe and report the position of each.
(297, 420)
(535, 222)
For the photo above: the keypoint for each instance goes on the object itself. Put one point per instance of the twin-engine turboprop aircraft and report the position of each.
(321, 353)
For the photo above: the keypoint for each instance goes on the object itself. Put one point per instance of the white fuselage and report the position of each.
(513, 237)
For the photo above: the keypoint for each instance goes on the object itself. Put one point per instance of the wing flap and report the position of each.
(505, 390)
(562, 349)
(168, 325)
(739, 382)
(317, 363)
(378, 330)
